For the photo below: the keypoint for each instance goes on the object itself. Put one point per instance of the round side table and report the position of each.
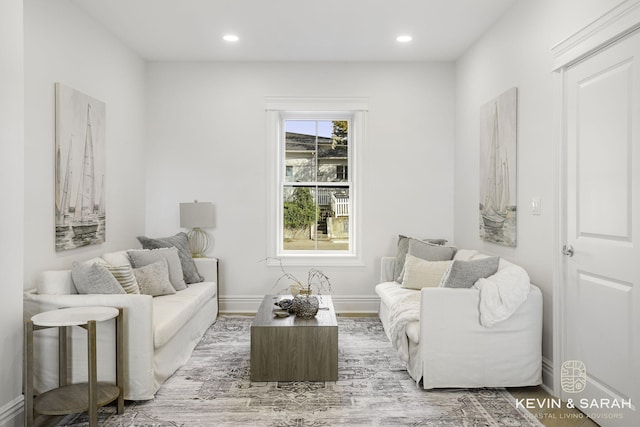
(71, 398)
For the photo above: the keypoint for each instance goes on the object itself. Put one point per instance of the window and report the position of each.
(315, 200)
(341, 172)
(314, 197)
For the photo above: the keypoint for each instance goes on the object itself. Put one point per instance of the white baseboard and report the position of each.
(12, 414)
(352, 304)
(547, 376)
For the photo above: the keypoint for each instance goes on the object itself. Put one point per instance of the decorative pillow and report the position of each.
(94, 279)
(403, 248)
(419, 273)
(141, 257)
(124, 275)
(181, 242)
(464, 274)
(153, 279)
(430, 252)
(116, 258)
(55, 282)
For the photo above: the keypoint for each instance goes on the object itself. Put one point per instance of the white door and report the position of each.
(602, 277)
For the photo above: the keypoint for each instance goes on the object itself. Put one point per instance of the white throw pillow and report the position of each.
(116, 258)
(55, 282)
(420, 273)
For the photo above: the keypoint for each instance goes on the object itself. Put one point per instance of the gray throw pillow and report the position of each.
(401, 254)
(153, 279)
(430, 252)
(464, 274)
(181, 242)
(94, 279)
(142, 257)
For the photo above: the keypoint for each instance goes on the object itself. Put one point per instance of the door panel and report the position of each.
(603, 146)
(602, 206)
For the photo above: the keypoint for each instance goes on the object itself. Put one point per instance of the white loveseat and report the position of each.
(445, 343)
(159, 332)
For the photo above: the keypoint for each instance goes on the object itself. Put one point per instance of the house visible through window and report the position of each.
(316, 190)
(341, 172)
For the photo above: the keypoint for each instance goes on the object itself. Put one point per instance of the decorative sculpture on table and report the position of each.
(304, 303)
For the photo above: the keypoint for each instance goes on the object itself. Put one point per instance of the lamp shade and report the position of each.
(196, 215)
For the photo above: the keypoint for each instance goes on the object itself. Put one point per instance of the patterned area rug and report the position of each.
(373, 389)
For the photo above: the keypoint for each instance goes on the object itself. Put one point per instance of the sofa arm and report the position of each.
(138, 342)
(387, 264)
(207, 268)
(457, 351)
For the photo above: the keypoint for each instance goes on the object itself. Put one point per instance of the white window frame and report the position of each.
(280, 109)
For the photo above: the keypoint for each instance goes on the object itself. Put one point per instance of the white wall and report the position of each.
(517, 52)
(207, 141)
(11, 214)
(63, 45)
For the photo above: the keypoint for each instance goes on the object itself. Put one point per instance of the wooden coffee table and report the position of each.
(294, 349)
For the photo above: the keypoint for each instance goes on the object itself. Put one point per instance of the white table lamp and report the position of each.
(197, 215)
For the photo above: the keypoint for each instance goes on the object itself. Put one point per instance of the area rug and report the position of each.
(373, 389)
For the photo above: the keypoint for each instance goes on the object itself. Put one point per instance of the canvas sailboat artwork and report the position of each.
(498, 170)
(80, 209)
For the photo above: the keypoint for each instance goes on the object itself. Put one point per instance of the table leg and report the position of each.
(28, 373)
(93, 373)
(120, 358)
(62, 356)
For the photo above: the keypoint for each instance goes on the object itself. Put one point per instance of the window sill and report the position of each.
(316, 260)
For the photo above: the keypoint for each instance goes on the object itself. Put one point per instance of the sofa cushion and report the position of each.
(465, 254)
(116, 258)
(181, 242)
(141, 257)
(153, 279)
(464, 274)
(94, 279)
(431, 252)
(413, 332)
(172, 312)
(124, 275)
(392, 292)
(419, 273)
(427, 251)
(403, 248)
(55, 282)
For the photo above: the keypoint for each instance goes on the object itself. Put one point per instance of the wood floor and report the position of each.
(552, 417)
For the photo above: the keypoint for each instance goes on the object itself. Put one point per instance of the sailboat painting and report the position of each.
(498, 134)
(80, 169)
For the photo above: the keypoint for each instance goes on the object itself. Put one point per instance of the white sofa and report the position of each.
(159, 332)
(448, 346)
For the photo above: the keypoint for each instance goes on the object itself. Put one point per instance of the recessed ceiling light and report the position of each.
(404, 39)
(231, 38)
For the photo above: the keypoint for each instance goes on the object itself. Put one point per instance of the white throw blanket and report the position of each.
(502, 294)
(400, 315)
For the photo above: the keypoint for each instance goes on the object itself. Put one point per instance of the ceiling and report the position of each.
(296, 30)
